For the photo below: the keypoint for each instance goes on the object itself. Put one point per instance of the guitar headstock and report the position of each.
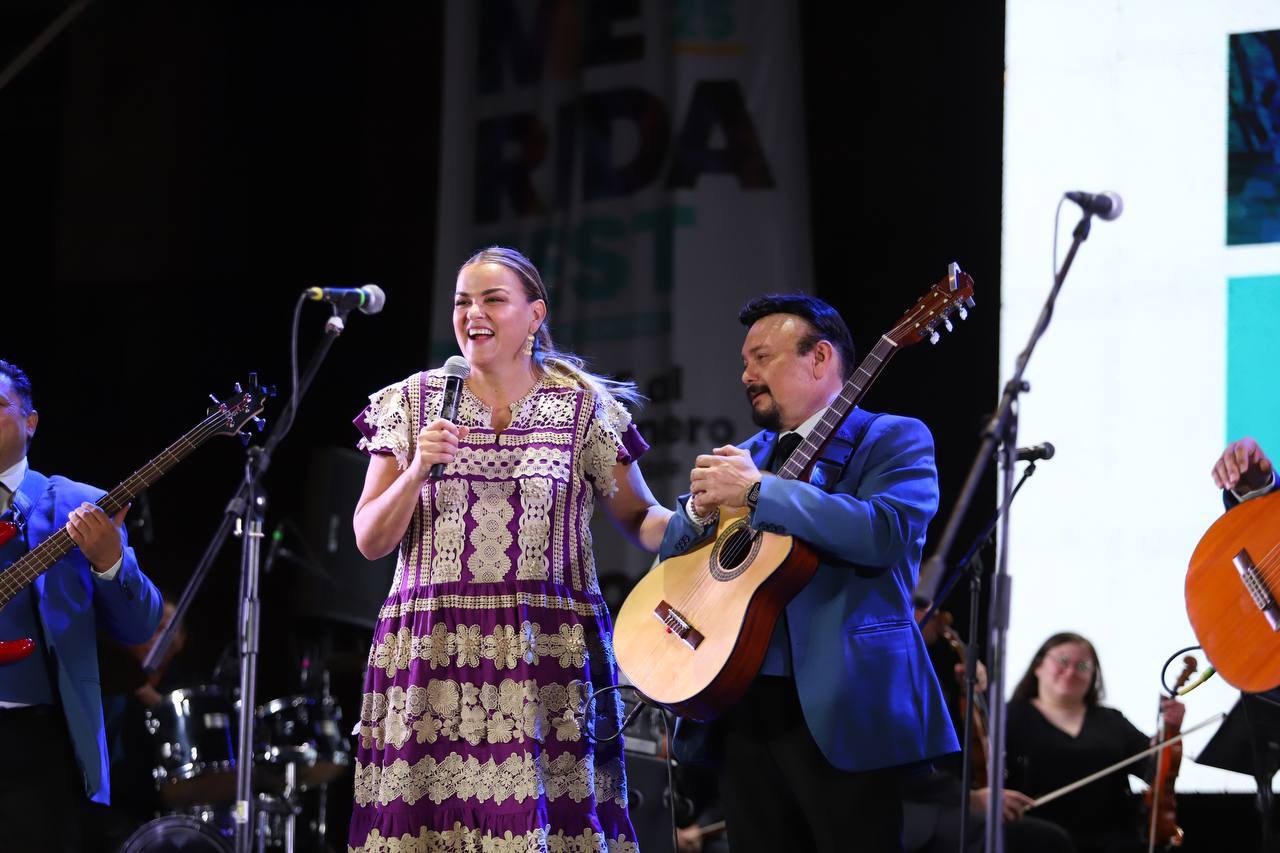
(231, 416)
(951, 295)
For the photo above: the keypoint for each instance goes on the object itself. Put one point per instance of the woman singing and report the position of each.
(474, 728)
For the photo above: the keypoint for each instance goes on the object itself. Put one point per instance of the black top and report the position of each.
(1104, 814)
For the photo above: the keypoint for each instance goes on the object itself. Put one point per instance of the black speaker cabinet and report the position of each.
(333, 580)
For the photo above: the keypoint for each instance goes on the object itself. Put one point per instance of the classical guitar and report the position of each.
(1232, 583)
(223, 419)
(693, 632)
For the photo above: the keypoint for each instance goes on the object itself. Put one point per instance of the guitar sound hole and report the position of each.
(734, 551)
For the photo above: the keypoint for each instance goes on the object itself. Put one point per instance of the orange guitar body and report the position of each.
(1233, 591)
(693, 633)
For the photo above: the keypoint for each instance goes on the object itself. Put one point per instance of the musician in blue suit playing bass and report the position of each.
(846, 703)
(53, 754)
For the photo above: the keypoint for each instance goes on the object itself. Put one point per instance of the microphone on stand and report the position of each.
(456, 369)
(1104, 205)
(368, 299)
(1031, 454)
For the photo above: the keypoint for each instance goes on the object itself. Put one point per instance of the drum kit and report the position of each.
(299, 748)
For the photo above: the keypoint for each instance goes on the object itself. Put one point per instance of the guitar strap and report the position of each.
(33, 487)
(30, 490)
(834, 456)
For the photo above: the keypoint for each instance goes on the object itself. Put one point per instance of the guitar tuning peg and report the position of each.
(239, 390)
(253, 378)
(934, 337)
(962, 312)
(946, 322)
(215, 400)
(244, 438)
(260, 423)
(968, 300)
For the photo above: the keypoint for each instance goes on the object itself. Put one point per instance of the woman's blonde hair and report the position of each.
(563, 366)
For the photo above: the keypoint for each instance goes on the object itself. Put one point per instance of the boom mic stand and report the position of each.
(1002, 432)
(245, 513)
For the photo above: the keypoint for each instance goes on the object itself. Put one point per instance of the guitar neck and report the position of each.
(850, 394)
(42, 557)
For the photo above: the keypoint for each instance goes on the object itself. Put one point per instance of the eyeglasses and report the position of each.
(1083, 667)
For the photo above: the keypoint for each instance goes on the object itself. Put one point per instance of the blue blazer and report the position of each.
(73, 604)
(866, 685)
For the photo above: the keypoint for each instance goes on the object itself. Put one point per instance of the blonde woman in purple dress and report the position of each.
(474, 730)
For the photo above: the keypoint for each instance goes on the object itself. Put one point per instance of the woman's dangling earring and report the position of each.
(528, 345)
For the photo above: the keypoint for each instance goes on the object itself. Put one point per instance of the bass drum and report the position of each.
(176, 834)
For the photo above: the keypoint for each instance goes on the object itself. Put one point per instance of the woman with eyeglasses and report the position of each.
(1057, 732)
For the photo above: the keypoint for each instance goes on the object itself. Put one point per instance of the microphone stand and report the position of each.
(971, 565)
(245, 513)
(1002, 432)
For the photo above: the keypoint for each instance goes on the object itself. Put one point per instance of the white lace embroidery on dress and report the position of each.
(463, 839)
(609, 420)
(535, 528)
(437, 603)
(388, 414)
(490, 538)
(518, 778)
(554, 410)
(449, 531)
(449, 710)
(504, 463)
(504, 647)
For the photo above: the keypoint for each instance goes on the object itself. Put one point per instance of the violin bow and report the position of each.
(1154, 748)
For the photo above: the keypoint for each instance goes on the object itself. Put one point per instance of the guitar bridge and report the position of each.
(677, 624)
(1257, 587)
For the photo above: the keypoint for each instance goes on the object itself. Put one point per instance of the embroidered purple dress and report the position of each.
(472, 733)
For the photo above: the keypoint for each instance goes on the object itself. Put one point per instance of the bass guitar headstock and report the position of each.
(231, 416)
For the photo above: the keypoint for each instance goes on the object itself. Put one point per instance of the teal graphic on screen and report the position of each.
(1253, 355)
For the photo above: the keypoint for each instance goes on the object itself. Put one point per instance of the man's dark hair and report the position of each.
(825, 322)
(21, 384)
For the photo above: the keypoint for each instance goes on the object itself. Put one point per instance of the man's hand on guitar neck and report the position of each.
(722, 478)
(1243, 468)
(97, 535)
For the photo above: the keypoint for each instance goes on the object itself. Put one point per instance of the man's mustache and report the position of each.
(753, 390)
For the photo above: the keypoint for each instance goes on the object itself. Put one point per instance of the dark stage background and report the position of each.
(175, 174)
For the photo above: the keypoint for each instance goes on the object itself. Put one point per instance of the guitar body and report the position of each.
(1234, 625)
(12, 651)
(693, 633)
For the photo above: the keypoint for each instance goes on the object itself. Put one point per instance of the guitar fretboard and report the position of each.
(854, 388)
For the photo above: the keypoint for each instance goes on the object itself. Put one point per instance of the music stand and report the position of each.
(1248, 742)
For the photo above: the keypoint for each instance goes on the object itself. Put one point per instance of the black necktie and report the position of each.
(782, 452)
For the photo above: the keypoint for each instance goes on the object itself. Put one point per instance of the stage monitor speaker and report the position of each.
(649, 802)
(333, 580)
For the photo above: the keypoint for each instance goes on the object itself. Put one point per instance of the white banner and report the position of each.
(649, 158)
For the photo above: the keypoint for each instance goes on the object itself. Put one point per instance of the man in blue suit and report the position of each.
(53, 754)
(847, 701)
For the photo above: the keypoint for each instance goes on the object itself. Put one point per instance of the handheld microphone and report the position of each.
(1104, 205)
(456, 369)
(368, 299)
(1039, 451)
